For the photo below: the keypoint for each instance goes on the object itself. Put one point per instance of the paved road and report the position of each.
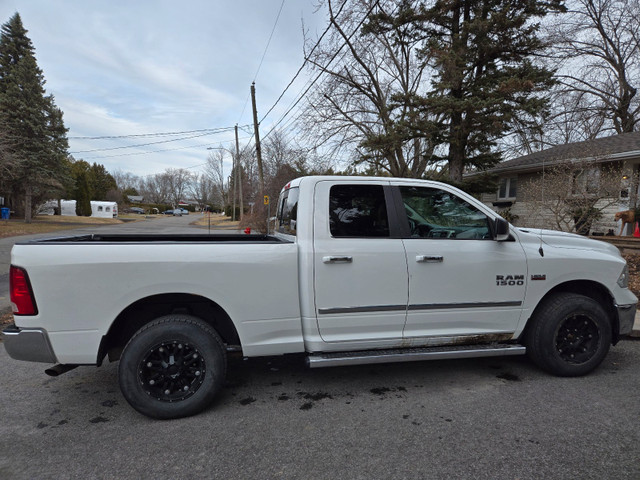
(168, 224)
(475, 419)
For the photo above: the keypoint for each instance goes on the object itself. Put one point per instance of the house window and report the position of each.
(99, 208)
(586, 180)
(107, 209)
(508, 187)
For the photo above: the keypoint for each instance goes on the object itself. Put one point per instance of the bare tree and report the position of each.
(126, 180)
(179, 181)
(570, 120)
(203, 190)
(215, 174)
(368, 70)
(156, 188)
(599, 41)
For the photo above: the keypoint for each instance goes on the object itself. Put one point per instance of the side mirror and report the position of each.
(500, 230)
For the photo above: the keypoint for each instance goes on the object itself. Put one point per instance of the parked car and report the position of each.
(177, 212)
(136, 210)
(184, 211)
(168, 212)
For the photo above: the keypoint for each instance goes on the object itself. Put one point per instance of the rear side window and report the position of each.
(287, 217)
(358, 211)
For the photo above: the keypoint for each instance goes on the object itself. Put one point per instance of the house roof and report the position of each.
(605, 149)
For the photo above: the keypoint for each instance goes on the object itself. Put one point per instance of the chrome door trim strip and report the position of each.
(413, 308)
(450, 306)
(372, 309)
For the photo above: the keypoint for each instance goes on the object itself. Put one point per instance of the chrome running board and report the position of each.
(412, 354)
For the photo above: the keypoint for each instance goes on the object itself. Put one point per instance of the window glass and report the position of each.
(358, 211)
(586, 181)
(513, 187)
(99, 208)
(502, 193)
(434, 213)
(288, 211)
(508, 187)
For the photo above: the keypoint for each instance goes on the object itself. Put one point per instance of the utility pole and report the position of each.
(239, 176)
(257, 134)
(234, 171)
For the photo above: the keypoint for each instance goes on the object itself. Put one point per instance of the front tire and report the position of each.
(172, 367)
(570, 335)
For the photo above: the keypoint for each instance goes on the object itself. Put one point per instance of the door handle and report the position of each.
(429, 259)
(338, 259)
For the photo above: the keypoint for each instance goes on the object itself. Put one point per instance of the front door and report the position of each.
(461, 281)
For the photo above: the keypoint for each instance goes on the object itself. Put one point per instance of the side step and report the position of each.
(412, 354)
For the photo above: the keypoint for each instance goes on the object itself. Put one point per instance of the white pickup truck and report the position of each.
(360, 270)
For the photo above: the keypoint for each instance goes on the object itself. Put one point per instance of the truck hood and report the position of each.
(559, 239)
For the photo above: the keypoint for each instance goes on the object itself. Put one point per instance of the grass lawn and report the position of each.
(217, 221)
(51, 223)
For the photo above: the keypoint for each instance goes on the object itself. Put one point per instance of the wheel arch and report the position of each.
(588, 288)
(145, 310)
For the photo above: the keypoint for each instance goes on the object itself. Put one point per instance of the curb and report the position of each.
(635, 331)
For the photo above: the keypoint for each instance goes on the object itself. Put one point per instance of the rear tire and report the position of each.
(172, 367)
(570, 335)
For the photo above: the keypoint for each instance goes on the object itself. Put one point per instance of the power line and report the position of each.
(302, 66)
(158, 134)
(364, 18)
(156, 151)
(262, 59)
(140, 144)
(269, 41)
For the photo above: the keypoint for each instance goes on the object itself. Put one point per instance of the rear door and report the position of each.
(360, 269)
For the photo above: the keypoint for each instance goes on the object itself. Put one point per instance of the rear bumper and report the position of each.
(29, 344)
(626, 317)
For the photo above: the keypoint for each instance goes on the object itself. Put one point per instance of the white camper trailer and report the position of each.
(68, 208)
(104, 209)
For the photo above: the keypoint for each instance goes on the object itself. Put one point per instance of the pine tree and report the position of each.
(31, 122)
(484, 78)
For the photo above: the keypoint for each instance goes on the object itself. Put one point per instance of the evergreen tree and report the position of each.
(82, 194)
(32, 124)
(484, 77)
(101, 182)
(88, 182)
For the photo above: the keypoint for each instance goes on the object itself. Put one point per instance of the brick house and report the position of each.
(618, 153)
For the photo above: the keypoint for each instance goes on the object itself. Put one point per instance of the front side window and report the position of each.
(434, 213)
(358, 211)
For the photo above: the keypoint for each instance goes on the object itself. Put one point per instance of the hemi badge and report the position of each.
(538, 277)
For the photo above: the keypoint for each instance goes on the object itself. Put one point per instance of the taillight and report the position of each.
(22, 301)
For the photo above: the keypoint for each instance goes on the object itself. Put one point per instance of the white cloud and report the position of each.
(122, 68)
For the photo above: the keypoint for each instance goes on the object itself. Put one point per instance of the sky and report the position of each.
(141, 67)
